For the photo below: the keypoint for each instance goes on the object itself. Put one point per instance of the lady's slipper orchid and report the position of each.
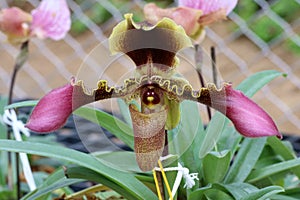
(158, 89)
(51, 19)
(193, 15)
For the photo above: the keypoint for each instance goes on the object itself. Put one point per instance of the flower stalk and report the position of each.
(20, 60)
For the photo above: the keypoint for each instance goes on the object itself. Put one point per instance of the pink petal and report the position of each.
(209, 6)
(52, 110)
(248, 118)
(14, 23)
(51, 19)
(186, 17)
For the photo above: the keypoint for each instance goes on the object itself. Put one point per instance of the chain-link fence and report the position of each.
(259, 35)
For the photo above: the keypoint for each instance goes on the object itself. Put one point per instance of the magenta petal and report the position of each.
(209, 6)
(51, 19)
(52, 110)
(248, 118)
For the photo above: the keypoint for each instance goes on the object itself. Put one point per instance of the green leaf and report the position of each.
(255, 82)
(239, 190)
(283, 197)
(132, 186)
(7, 195)
(122, 160)
(213, 194)
(265, 172)
(215, 166)
(293, 192)
(212, 134)
(199, 193)
(22, 104)
(229, 140)
(124, 109)
(263, 193)
(281, 149)
(185, 139)
(245, 160)
(78, 172)
(55, 181)
(114, 125)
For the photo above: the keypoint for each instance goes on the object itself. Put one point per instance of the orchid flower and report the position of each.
(51, 19)
(157, 88)
(192, 15)
(14, 22)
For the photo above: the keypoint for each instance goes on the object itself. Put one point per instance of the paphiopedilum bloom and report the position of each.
(51, 19)
(193, 15)
(158, 89)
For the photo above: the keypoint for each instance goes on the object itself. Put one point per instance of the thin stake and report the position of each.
(166, 148)
(165, 180)
(214, 65)
(159, 191)
(199, 63)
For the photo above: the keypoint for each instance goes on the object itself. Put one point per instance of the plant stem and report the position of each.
(20, 60)
(166, 147)
(214, 65)
(199, 62)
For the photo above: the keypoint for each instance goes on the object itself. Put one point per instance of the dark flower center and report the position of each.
(150, 96)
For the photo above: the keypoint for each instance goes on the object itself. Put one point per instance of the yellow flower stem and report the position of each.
(165, 179)
(157, 185)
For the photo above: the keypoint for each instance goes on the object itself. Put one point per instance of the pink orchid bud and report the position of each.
(209, 6)
(51, 19)
(248, 118)
(15, 24)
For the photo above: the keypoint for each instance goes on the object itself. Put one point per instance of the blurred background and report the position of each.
(258, 35)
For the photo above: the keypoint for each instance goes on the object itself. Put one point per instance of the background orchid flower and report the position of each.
(210, 6)
(14, 22)
(156, 87)
(51, 19)
(193, 15)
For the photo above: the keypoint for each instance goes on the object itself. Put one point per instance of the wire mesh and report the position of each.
(247, 43)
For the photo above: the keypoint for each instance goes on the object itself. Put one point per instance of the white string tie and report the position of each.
(10, 118)
(182, 172)
(189, 178)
